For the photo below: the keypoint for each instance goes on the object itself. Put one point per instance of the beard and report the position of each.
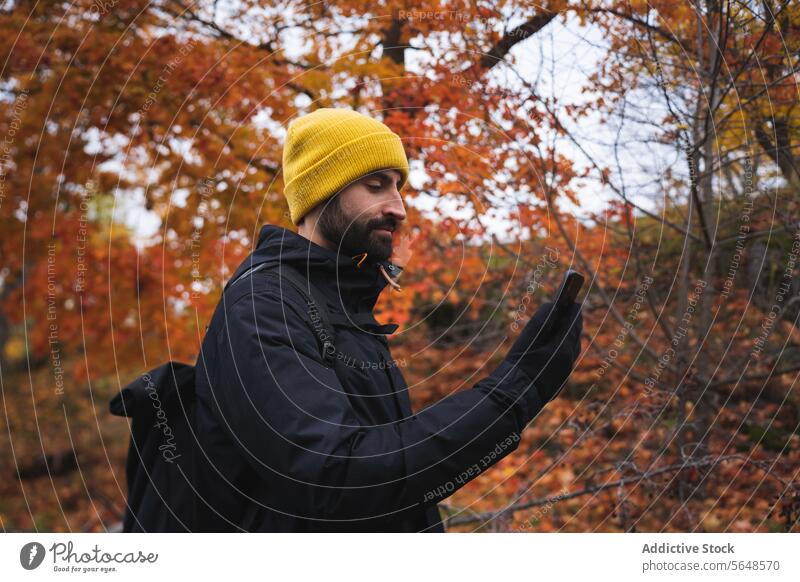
(353, 237)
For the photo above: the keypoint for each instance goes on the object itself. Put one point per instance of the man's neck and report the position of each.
(308, 230)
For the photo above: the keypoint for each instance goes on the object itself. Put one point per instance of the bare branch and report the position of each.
(591, 489)
(516, 35)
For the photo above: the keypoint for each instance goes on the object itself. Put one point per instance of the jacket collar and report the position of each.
(352, 284)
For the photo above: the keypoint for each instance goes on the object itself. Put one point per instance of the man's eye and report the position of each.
(374, 186)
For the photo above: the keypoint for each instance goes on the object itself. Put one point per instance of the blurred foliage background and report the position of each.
(652, 145)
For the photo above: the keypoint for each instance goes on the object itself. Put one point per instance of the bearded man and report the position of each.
(299, 438)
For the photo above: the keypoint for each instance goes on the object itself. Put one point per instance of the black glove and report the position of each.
(548, 359)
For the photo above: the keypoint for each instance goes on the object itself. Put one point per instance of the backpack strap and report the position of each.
(315, 305)
(320, 317)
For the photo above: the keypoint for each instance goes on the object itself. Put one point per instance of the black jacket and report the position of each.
(291, 444)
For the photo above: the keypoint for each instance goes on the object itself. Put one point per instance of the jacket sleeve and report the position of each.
(290, 415)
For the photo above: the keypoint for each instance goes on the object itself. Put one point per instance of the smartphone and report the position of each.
(565, 296)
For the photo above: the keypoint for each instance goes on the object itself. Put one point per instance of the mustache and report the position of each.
(388, 225)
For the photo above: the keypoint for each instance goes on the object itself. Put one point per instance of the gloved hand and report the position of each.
(548, 360)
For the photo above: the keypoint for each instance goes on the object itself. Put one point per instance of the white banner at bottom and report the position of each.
(389, 557)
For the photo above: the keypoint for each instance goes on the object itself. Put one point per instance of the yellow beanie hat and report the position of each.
(328, 149)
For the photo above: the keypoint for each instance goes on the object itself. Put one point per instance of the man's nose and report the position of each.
(395, 207)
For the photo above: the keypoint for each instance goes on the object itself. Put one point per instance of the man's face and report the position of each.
(365, 216)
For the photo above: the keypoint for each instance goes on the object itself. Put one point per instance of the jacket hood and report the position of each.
(352, 284)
